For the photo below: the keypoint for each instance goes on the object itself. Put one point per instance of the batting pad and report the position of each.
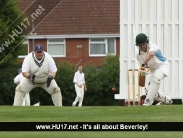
(153, 89)
(154, 86)
(57, 98)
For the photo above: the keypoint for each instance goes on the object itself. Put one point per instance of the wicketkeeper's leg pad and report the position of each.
(19, 95)
(56, 96)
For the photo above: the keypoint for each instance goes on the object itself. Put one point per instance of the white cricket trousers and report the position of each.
(26, 100)
(79, 95)
(26, 86)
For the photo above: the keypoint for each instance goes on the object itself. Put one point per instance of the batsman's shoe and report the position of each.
(147, 102)
(170, 101)
(160, 103)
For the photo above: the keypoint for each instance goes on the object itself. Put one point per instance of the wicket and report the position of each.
(133, 86)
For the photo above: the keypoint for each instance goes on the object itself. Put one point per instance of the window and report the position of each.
(25, 49)
(102, 46)
(56, 47)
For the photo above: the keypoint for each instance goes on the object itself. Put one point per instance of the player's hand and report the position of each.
(31, 77)
(142, 67)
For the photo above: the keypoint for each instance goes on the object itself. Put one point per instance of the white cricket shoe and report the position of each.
(147, 102)
(170, 101)
(160, 103)
(73, 104)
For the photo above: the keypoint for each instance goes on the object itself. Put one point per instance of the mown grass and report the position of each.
(170, 113)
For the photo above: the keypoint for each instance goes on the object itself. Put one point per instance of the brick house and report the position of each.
(77, 31)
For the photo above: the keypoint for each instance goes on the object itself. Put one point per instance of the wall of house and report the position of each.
(74, 55)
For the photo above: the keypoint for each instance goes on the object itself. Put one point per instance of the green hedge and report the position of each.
(8, 71)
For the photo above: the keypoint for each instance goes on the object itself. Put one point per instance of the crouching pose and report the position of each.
(39, 70)
(159, 97)
(150, 55)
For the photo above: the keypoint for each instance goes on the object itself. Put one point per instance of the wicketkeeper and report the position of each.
(150, 55)
(39, 70)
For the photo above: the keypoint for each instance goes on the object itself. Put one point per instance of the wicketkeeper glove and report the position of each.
(49, 79)
(31, 78)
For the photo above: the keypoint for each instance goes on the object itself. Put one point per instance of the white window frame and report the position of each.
(106, 47)
(63, 43)
(26, 42)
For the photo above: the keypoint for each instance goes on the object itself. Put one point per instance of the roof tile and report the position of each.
(62, 17)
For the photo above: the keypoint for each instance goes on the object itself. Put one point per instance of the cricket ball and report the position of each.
(113, 89)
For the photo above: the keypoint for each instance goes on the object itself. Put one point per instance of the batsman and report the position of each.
(39, 70)
(150, 55)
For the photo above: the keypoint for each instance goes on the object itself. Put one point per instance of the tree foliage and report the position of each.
(64, 80)
(8, 71)
(11, 30)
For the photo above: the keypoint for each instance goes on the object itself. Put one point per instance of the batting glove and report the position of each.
(142, 67)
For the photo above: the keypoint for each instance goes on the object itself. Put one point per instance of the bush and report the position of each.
(64, 80)
(8, 72)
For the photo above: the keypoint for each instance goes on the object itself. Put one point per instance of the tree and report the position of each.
(108, 78)
(11, 31)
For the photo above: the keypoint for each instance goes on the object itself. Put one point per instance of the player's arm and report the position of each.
(148, 57)
(52, 69)
(76, 84)
(26, 74)
(53, 74)
(75, 80)
(26, 67)
(25, 70)
(85, 88)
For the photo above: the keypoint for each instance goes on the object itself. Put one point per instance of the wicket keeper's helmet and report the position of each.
(141, 39)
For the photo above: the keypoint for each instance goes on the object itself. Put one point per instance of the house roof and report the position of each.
(72, 17)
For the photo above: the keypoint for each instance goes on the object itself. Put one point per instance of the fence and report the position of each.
(162, 22)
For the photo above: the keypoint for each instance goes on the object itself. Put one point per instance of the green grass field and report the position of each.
(170, 113)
